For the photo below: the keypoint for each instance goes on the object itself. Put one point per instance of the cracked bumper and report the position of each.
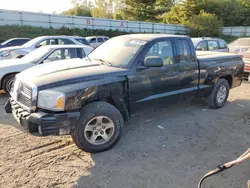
(41, 122)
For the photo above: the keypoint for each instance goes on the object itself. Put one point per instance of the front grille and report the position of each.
(24, 95)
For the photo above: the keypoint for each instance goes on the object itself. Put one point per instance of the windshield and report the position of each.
(31, 42)
(196, 41)
(36, 55)
(117, 51)
(241, 42)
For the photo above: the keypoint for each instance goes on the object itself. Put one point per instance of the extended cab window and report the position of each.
(213, 45)
(184, 52)
(202, 46)
(163, 49)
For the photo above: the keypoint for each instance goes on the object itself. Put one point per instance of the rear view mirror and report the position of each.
(153, 61)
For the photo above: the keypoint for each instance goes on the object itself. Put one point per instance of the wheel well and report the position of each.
(121, 106)
(229, 78)
(6, 76)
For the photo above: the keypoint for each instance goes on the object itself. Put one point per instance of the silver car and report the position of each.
(45, 54)
(210, 44)
(41, 41)
(96, 41)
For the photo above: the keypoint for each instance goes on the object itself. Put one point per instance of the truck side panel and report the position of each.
(231, 69)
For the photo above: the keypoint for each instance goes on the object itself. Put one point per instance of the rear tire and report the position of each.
(7, 83)
(219, 95)
(98, 128)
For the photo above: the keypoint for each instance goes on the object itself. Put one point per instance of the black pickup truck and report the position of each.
(92, 98)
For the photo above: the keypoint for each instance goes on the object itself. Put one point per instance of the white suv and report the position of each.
(210, 44)
(41, 41)
(95, 41)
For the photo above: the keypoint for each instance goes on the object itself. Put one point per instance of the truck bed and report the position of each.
(211, 56)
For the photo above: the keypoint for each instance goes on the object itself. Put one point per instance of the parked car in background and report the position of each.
(45, 54)
(210, 44)
(14, 42)
(95, 41)
(41, 41)
(239, 46)
(92, 99)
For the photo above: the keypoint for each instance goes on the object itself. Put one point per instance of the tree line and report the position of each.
(202, 17)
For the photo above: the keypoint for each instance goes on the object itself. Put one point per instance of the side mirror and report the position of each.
(153, 61)
(38, 46)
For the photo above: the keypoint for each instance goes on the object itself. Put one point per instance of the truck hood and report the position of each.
(68, 72)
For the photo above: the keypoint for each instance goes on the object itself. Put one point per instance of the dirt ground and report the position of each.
(168, 148)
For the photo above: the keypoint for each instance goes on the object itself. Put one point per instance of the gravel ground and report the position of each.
(168, 148)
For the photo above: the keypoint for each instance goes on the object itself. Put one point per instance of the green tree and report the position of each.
(102, 9)
(204, 24)
(161, 7)
(79, 10)
(182, 12)
(138, 10)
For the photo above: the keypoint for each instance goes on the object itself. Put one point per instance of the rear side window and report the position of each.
(83, 41)
(213, 45)
(70, 53)
(100, 40)
(222, 44)
(80, 53)
(202, 46)
(93, 40)
(184, 52)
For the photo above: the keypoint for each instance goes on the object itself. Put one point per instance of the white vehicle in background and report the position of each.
(95, 41)
(20, 51)
(240, 46)
(210, 44)
(45, 54)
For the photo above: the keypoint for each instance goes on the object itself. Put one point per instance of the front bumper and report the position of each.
(41, 122)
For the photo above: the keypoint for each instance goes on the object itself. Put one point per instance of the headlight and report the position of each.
(51, 100)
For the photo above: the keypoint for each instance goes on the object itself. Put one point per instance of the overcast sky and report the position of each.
(46, 6)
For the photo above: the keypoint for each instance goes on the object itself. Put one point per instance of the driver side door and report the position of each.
(155, 86)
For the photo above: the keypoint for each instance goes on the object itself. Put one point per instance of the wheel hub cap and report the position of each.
(99, 130)
(221, 94)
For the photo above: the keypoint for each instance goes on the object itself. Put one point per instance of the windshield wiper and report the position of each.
(104, 62)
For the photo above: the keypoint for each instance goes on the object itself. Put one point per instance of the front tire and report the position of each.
(219, 94)
(7, 83)
(99, 127)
